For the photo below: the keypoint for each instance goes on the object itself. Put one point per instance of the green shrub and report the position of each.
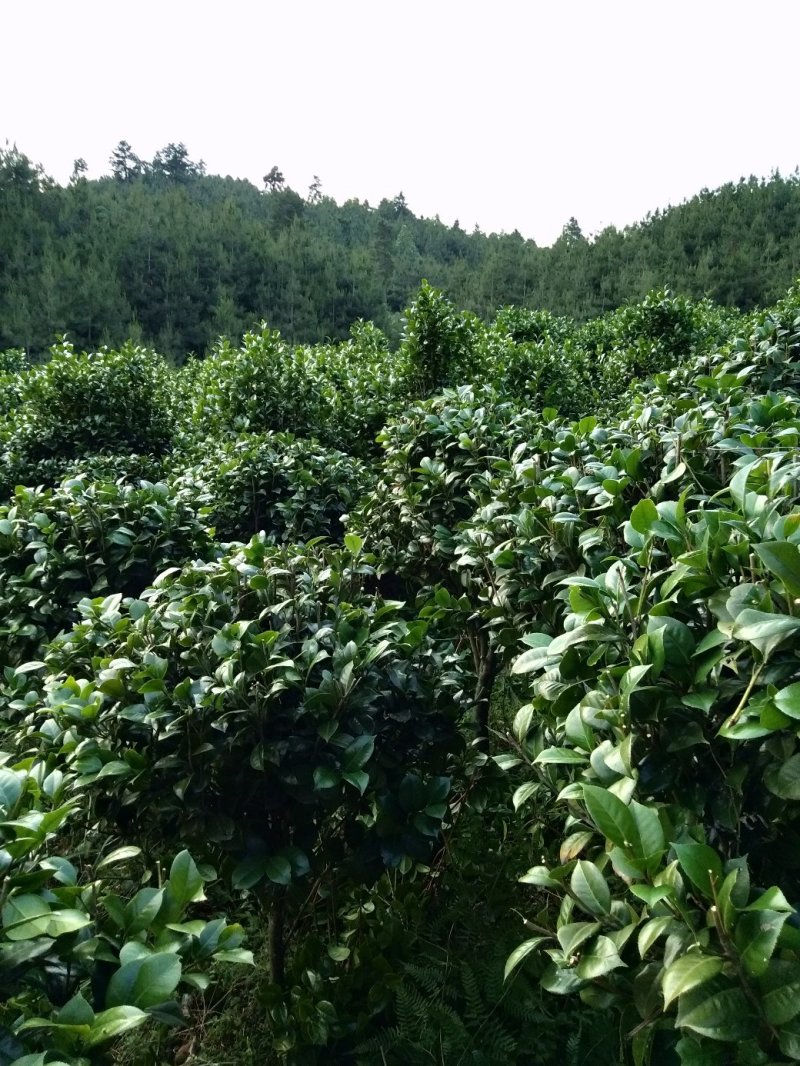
(84, 954)
(440, 344)
(84, 403)
(432, 453)
(338, 394)
(292, 490)
(259, 697)
(59, 546)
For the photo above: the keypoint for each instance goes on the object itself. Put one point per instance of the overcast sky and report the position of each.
(512, 114)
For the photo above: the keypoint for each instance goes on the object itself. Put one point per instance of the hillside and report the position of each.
(172, 257)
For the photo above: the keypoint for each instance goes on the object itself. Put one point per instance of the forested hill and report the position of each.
(171, 256)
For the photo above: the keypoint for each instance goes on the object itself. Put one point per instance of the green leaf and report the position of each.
(572, 935)
(11, 785)
(249, 872)
(240, 956)
(719, 1015)
(651, 843)
(643, 516)
(358, 753)
(278, 869)
(222, 645)
(524, 793)
(632, 677)
(523, 721)
(67, 921)
(111, 1023)
(702, 866)
(689, 971)
(119, 855)
(785, 781)
(610, 815)
(651, 931)
(324, 778)
(25, 917)
(63, 870)
(763, 630)
(353, 543)
(756, 936)
(600, 960)
(789, 1041)
(530, 660)
(539, 875)
(560, 756)
(590, 888)
(142, 909)
(651, 894)
(771, 900)
(144, 982)
(592, 632)
(76, 1011)
(521, 952)
(783, 560)
(561, 981)
(780, 991)
(692, 1052)
(358, 779)
(788, 700)
(185, 882)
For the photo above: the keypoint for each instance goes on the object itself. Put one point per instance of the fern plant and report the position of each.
(456, 1010)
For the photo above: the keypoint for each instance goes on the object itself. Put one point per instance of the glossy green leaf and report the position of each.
(756, 937)
(787, 700)
(144, 982)
(123, 854)
(718, 1015)
(590, 888)
(185, 882)
(601, 958)
(702, 865)
(764, 631)
(783, 560)
(610, 815)
(643, 516)
(689, 971)
(521, 952)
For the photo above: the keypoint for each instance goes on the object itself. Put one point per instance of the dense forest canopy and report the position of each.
(166, 254)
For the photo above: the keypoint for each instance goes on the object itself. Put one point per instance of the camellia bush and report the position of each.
(292, 490)
(339, 394)
(80, 403)
(660, 722)
(85, 955)
(264, 708)
(83, 539)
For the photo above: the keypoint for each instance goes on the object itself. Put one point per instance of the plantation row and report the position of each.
(289, 634)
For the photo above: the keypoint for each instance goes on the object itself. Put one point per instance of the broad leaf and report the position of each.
(702, 865)
(610, 815)
(144, 982)
(689, 971)
(521, 952)
(590, 888)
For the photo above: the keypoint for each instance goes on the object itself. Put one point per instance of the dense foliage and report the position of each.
(175, 258)
(363, 652)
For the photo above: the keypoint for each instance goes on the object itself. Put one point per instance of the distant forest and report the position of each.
(173, 257)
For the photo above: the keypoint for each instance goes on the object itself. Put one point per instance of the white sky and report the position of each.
(506, 113)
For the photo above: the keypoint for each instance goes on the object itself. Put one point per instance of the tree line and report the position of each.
(162, 252)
